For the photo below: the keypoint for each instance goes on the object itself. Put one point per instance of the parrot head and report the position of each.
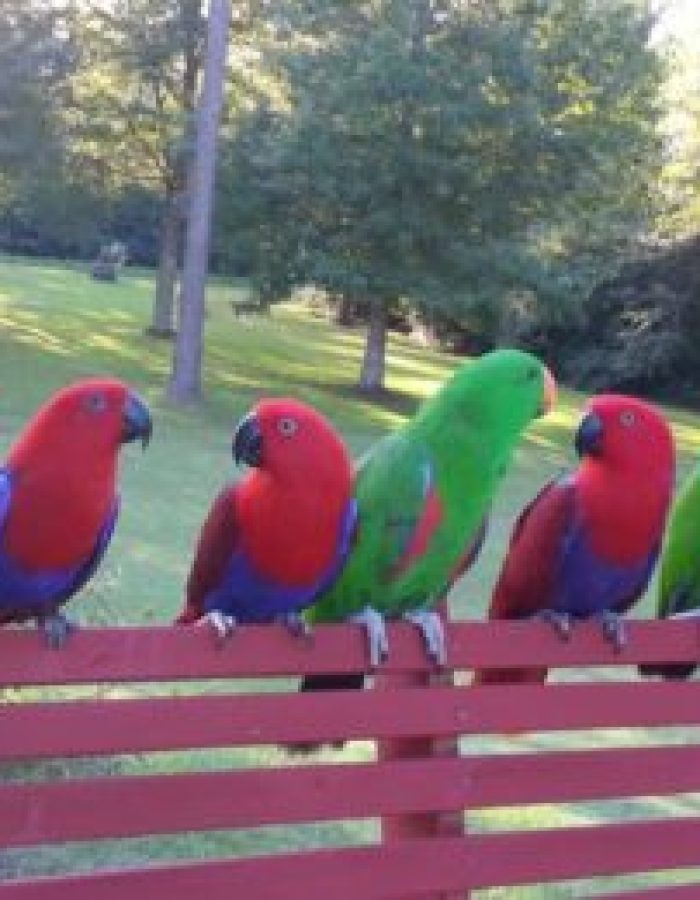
(90, 418)
(624, 431)
(284, 436)
(499, 393)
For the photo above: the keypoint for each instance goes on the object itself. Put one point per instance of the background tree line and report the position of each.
(482, 172)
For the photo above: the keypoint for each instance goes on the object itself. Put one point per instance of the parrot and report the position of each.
(276, 538)
(58, 499)
(679, 583)
(423, 495)
(587, 544)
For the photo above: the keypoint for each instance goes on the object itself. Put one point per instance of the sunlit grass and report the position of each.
(56, 324)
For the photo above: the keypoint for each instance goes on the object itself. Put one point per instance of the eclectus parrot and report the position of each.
(587, 544)
(424, 494)
(58, 498)
(679, 584)
(278, 537)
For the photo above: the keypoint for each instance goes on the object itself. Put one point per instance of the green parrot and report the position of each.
(679, 583)
(423, 496)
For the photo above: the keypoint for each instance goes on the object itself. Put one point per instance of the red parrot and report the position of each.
(58, 498)
(279, 536)
(587, 544)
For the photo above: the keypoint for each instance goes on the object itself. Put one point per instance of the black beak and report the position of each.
(136, 421)
(248, 441)
(589, 436)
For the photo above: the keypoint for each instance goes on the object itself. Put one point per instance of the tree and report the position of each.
(36, 59)
(134, 100)
(185, 382)
(447, 153)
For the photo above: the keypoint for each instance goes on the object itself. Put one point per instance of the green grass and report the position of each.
(56, 324)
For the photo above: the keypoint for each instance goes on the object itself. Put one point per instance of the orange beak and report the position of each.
(549, 393)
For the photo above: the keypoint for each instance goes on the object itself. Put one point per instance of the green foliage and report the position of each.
(36, 57)
(448, 157)
(643, 328)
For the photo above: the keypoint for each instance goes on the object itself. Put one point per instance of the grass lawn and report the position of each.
(56, 324)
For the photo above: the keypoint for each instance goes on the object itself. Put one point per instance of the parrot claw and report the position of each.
(614, 629)
(223, 625)
(56, 628)
(562, 623)
(374, 626)
(430, 626)
(297, 626)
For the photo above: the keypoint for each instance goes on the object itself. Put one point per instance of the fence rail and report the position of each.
(420, 786)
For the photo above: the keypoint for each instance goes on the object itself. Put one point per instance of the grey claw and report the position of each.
(56, 628)
(297, 626)
(375, 629)
(430, 625)
(222, 625)
(614, 629)
(560, 622)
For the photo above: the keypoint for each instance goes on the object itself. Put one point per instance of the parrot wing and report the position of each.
(88, 569)
(538, 547)
(217, 542)
(540, 543)
(22, 593)
(402, 502)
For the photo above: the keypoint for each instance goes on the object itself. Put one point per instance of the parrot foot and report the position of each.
(57, 629)
(375, 629)
(222, 625)
(614, 629)
(562, 623)
(430, 626)
(297, 626)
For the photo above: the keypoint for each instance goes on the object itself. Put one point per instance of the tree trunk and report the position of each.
(163, 317)
(186, 378)
(163, 321)
(372, 375)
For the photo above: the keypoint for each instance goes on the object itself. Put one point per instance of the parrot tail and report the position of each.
(188, 615)
(342, 681)
(667, 671)
(509, 676)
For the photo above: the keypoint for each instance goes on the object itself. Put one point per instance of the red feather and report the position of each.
(217, 541)
(527, 575)
(426, 526)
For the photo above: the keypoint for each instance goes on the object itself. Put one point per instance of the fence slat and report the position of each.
(406, 868)
(94, 727)
(171, 654)
(129, 806)
(666, 892)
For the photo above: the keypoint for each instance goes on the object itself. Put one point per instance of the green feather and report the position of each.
(465, 434)
(679, 585)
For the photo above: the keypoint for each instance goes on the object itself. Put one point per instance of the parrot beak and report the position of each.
(248, 442)
(549, 392)
(136, 421)
(589, 435)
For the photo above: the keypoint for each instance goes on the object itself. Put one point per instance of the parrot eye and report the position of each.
(287, 427)
(96, 403)
(627, 418)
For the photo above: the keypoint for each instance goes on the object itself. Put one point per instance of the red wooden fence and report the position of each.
(419, 787)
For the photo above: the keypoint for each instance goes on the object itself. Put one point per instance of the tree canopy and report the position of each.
(450, 155)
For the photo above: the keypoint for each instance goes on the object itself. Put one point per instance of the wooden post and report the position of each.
(420, 825)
